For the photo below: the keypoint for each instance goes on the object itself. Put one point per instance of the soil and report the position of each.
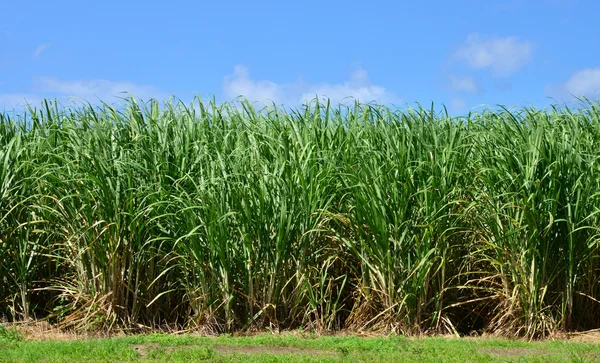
(590, 336)
(144, 349)
(513, 352)
(269, 350)
(41, 330)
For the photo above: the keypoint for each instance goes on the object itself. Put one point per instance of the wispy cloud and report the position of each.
(95, 89)
(584, 82)
(10, 101)
(463, 83)
(40, 49)
(90, 90)
(502, 55)
(358, 87)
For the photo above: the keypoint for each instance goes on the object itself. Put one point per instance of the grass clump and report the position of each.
(10, 334)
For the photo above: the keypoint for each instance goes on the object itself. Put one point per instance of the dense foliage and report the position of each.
(226, 217)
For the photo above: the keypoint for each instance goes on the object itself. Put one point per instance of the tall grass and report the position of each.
(225, 217)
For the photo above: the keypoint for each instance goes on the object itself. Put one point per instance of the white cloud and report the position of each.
(358, 87)
(40, 48)
(263, 91)
(91, 90)
(463, 83)
(584, 82)
(240, 84)
(502, 55)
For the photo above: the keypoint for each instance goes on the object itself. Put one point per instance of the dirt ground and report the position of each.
(45, 331)
(144, 349)
(591, 336)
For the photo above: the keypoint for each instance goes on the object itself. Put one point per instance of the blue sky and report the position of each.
(460, 53)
